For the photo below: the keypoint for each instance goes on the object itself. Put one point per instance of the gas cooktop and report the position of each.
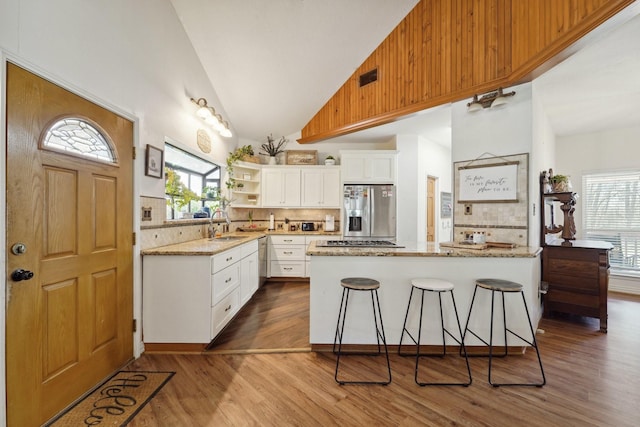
(358, 244)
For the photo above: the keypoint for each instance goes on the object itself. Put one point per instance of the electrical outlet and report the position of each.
(467, 209)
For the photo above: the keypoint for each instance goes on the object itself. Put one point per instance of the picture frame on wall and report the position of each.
(154, 162)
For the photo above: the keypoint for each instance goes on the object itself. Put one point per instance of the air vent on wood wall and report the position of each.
(368, 77)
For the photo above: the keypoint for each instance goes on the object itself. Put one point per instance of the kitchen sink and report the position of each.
(228, 238)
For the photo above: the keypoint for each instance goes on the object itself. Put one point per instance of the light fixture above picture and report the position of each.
(495, 99)
(210, 117)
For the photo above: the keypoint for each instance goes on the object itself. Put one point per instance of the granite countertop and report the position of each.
(424, 249)
(205, 246)
(227, 241)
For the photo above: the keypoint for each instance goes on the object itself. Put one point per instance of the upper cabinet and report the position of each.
(287, 186)
(280, 187)
(368, 167)
(247, 189)
(320, 187)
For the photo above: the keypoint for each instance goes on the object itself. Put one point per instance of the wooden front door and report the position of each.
(69, 223)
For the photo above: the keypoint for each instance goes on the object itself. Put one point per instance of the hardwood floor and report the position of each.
(276, 318)
(592, 380)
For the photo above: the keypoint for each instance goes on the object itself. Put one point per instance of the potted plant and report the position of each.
(209, 192)
(179, 194)
(560, 183)
(235, 156)
(329, 160)
(272, 149)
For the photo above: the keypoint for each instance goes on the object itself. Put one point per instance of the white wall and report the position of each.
(418, 159)
(542, 158)
(130, 56)
(616, 149)
(498, 132)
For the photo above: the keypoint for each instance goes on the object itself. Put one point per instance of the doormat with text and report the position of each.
(116, 401)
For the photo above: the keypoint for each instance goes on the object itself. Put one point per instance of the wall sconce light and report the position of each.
(495, 99)
(208, 114)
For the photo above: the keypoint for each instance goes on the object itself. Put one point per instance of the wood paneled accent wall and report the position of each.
(447, 50)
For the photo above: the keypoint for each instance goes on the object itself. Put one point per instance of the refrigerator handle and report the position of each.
(372, 209)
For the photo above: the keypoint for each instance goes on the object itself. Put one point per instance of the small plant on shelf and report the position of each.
(560, 183)
(235, 156)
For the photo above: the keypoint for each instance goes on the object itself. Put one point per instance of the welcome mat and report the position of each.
(116, 401)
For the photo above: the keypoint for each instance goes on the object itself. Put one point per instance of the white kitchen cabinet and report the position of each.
(286, 256)
(280, 187)
(247, 190)
(249, 272)
(321, 187)
(368, 166)
(191, 298)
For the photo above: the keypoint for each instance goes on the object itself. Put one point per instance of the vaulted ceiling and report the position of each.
(275, 63)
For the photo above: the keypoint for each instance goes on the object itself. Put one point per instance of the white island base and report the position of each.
(395, 273)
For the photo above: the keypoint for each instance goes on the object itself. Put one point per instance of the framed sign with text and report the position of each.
(497, 182)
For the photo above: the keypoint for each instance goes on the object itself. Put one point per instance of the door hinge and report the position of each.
(135, 153)
(135, 325)
(133, 239)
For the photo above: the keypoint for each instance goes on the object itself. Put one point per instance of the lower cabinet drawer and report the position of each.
(287, 268)
(223, 281)
(288, 252)
(223, 311)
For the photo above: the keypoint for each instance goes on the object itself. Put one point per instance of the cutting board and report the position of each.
(455, 245)
(478, 246)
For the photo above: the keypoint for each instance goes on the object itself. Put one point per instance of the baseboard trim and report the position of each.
(424, 349)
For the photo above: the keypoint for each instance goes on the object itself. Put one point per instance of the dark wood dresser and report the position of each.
(577, 273)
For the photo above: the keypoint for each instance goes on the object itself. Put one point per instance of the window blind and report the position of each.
(612, 213)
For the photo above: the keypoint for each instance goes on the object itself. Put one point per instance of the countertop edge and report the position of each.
(206, 247)
(426, 250)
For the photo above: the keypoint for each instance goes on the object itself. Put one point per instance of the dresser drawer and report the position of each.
(287, 268)
(225, 259)
(224, 281)
(574, 268)
(223, 311)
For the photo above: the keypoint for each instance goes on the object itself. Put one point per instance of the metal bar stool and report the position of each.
(360, 284)
(438, 286)
(503, 287)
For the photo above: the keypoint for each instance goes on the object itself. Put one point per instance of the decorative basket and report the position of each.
(251, 159)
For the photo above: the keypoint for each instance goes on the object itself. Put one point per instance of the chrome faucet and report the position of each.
(226, 227)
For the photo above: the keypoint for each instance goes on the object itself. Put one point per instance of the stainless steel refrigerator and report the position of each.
(370, 211)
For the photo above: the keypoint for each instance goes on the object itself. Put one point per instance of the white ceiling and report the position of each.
(275, 63)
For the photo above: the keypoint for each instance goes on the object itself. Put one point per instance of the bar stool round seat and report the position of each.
(360, 284)
(499, 285)
(440, 287)
(429, 284)
(503, 287)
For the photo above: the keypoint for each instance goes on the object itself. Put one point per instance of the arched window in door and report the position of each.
(79, 137)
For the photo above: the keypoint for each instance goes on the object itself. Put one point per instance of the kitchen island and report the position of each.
(395, 267)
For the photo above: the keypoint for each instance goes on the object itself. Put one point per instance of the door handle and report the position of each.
(20, 274)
